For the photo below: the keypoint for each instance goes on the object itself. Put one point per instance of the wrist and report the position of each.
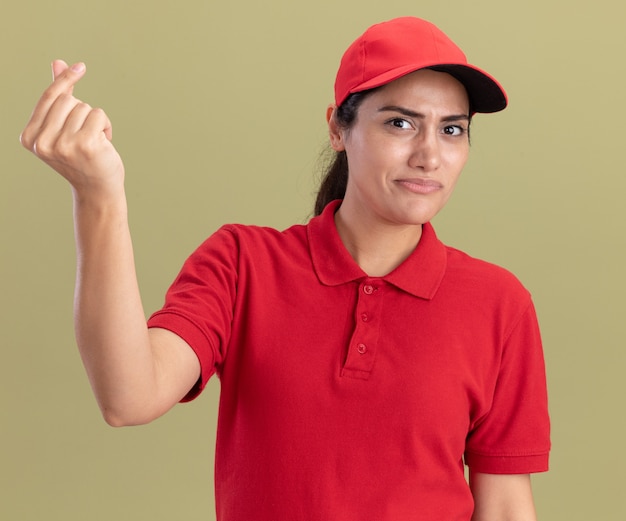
(107, 201)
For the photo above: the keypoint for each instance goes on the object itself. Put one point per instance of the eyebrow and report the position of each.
(412, 114)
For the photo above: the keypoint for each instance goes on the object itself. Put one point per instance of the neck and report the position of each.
(377, 248)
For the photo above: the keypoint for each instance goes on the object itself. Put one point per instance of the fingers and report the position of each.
(72, 129)
(42, 139)
(63, 84)
(61, 125)
(98, 122)
(72, 137)
(75, 119)
(63, 122)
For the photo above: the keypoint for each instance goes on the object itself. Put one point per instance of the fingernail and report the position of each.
(78, 67)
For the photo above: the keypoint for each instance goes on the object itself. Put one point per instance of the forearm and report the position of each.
(109, 319)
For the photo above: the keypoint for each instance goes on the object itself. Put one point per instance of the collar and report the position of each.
(420, 274)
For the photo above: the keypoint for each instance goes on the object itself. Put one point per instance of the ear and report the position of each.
(335, 132)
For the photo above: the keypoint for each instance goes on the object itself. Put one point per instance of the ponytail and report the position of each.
(335, 179)
(334, 183)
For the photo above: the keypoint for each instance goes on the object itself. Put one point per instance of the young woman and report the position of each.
(362, 362)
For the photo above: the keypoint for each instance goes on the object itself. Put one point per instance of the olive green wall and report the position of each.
(218, 109)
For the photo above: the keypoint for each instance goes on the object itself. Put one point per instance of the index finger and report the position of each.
(63, 83)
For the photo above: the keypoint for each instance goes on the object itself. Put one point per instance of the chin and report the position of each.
(411, 220)
(417, 216)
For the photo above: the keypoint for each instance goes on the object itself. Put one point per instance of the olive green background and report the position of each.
(218, 110)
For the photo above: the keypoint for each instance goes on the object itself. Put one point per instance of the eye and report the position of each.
(453, 130)
(399, 123)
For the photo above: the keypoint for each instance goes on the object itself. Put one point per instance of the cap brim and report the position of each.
(485, 93)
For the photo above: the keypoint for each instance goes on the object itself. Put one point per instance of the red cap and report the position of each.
(389, 50)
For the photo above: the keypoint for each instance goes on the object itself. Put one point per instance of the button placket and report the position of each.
(364, 341)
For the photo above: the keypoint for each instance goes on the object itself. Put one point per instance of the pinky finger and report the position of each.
(98, 122)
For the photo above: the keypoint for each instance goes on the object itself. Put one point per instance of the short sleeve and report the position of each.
(199, 303)
(514, 436)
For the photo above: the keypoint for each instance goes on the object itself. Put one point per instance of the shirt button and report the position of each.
(368, 289)
(361, 348)
(365, 317)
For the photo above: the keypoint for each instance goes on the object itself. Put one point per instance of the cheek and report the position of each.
(361, 156)
(379, 159)
(456, 158)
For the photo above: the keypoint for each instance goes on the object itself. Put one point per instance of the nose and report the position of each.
(426, 154)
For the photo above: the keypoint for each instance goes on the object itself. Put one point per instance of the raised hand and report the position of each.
(136, 374)
(72, 137)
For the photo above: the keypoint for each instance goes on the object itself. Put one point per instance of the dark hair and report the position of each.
(335, 179)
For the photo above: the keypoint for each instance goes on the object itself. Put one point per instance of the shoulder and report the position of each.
(484, 288)
(251, 236)
(241, 242)
(249, 232)
(488, 295)
(481, 273)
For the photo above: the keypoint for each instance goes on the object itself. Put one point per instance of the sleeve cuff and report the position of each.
(197, 340)
(524, 464)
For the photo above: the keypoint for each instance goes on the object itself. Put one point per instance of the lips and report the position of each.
(420, 185)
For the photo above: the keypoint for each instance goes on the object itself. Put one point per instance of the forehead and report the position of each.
(424, 88)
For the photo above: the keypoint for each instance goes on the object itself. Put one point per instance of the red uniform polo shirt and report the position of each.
(348, 397)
